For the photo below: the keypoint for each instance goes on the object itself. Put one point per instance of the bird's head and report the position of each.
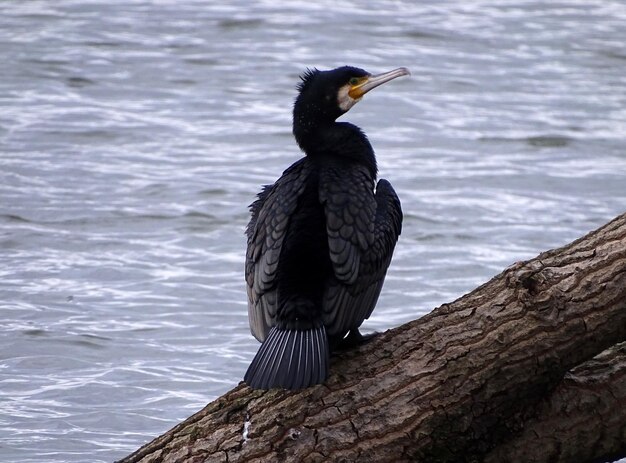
(326, 95)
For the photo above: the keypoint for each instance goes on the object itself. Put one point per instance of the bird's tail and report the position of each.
(290, 359)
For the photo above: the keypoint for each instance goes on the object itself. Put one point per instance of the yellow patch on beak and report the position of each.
(356, 90)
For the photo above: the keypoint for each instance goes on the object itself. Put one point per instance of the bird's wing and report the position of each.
(266, 232)
(363, 229)
(350, 207)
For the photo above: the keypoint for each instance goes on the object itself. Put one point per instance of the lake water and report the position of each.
(133, 136)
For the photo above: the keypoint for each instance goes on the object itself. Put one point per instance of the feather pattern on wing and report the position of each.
(363, 228)
(265, 232)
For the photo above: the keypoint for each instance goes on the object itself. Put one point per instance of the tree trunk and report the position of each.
(482, 377)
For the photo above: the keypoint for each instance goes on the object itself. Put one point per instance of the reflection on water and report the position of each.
(134, 135)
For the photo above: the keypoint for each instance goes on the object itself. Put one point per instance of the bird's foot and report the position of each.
(353, 339)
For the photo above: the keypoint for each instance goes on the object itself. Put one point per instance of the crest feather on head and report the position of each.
(307, 77)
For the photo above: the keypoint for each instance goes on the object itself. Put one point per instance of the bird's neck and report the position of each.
(336, 139)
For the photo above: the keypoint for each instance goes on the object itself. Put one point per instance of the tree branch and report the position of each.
(583, 420)
(448, 387)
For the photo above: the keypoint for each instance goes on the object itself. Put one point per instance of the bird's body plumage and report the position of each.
(320, 241)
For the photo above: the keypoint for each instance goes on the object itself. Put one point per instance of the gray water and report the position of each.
(134, 134)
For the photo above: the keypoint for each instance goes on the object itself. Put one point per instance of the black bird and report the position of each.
(321, 238)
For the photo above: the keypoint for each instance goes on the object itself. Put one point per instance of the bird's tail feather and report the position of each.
(290, 359)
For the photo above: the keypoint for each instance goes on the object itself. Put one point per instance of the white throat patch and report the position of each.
(344, 99)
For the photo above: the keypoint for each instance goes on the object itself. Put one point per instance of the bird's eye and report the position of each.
(354, 81)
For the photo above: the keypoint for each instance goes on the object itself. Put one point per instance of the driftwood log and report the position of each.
(526, 368)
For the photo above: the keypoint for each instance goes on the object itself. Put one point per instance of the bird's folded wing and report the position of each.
(361, 244)
(350, 207)
(266, 232)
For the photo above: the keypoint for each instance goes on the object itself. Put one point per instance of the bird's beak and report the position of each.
(370, 82)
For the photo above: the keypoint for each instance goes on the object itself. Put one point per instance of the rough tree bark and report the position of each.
(483, 378)
(583, 420)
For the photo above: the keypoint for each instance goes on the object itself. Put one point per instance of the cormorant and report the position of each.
(321, 238)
